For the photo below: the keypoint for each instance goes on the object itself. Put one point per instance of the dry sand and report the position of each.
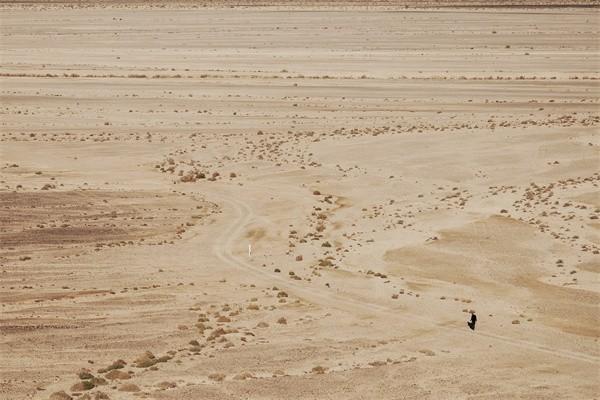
(392, 170)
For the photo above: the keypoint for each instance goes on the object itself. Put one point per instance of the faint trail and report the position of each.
(224, 251)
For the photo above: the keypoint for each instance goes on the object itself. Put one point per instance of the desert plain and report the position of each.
(299, 201)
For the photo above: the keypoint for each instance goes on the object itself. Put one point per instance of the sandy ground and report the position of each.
(392, 171)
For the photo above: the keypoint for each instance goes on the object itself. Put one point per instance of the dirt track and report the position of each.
(392, 170)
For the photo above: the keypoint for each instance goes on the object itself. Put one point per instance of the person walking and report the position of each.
(473, 321)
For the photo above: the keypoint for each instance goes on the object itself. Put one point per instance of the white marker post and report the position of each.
(249, 250)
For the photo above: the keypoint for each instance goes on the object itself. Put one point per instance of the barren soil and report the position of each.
(204, 202)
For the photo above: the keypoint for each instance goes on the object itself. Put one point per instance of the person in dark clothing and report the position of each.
(472, 322)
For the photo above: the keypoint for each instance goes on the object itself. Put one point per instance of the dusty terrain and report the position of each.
(392, 171)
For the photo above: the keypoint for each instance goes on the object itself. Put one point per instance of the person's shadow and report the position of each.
(472, 322)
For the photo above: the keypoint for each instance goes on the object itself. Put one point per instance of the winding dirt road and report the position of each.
(326, 298)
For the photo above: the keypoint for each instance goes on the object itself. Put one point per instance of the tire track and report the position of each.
(224, 251)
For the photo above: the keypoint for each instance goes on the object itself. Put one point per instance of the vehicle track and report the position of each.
(224, 251)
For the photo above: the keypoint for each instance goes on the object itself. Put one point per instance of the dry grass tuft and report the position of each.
(60, 396)
(129, 387)
(318, 370)
(217, 377)
(145, 360)
(115, 365)
(117, 375)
